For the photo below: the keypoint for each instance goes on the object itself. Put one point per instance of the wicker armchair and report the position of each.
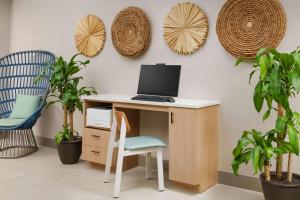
(17, 76)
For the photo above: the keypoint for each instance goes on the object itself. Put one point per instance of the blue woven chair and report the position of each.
(18, 73)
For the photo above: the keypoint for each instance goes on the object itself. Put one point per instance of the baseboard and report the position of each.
(241, 181)
(226, 178)
(46, 142)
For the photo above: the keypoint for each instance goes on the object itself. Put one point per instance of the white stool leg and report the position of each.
(148, 166)
(108, 163)
(109, 155)
(160, 171)
(118, 173)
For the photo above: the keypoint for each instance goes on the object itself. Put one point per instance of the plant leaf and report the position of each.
(242, 143)
(257, 97)
(256, 158)
(280, 124)
(260, 52)
(242, 158)
(261, 163)
(283, 99)
(295, 81)
(287, 60)
(51, 103)
(251, 74)
(59, 137)
(266, 115)
(263, 63)
(269, 101)
(280, 150)
(239, 61)
(275, 84)
(235, 167)
(293, 139)
(296, 118)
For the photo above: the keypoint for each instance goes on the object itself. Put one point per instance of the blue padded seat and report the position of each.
(141, 142)
(9, 122)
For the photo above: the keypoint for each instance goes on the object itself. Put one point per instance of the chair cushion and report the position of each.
(140, 142)
(25, 106)
(10, 122)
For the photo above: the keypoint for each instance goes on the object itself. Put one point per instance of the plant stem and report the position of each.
(267, 171)
(279, 166)
(71, 124)
(289, 171)
(280, 112)
(65, 116)
(281, 137)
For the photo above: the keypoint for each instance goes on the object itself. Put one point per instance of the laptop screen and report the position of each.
(161, 80)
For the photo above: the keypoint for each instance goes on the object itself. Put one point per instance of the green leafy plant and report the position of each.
(279, 80)
(257, 147)
(65, 89)
(71, 98)
(63, 135)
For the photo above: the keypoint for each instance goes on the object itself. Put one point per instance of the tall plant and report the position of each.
(258, 148)
(279, 80)
(71, 98)
(65, 89)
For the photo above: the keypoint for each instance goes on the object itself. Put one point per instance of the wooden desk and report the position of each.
(193, 136)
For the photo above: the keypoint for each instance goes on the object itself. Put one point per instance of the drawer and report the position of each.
(94, 154)
(96, 137)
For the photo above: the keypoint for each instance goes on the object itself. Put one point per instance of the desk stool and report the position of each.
(132, 146)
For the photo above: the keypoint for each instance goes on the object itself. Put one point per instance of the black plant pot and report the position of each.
(281, 190)
(70, 151)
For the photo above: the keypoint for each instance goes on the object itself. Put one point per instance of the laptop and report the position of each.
(158, 82)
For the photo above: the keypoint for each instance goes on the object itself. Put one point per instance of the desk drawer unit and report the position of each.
(96, 137)
(95, 145)
(94, 154)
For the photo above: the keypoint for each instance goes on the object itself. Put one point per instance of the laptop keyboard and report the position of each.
(153, 98)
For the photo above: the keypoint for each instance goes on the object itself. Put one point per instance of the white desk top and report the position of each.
(182, 103)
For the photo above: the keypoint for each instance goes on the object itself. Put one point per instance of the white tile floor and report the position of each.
(41, 176)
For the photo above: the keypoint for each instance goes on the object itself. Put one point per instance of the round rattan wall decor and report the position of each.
(131, 32)
(90, 35)
(245, 26)
(185, 28)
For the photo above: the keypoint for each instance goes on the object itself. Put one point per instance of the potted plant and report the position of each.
(279, 81)
(65, 89)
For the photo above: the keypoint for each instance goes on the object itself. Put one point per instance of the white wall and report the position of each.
(208, 74)
(4, 27)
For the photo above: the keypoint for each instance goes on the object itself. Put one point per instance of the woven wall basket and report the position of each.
(90, 35)
(131, 32)
(245, 26)
(185, 28)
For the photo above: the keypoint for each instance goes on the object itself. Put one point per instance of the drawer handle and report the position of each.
(96, 136)
(97, 152)
(172, 117)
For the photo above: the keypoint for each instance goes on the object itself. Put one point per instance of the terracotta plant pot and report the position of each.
(281, 190)
(70, 151)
